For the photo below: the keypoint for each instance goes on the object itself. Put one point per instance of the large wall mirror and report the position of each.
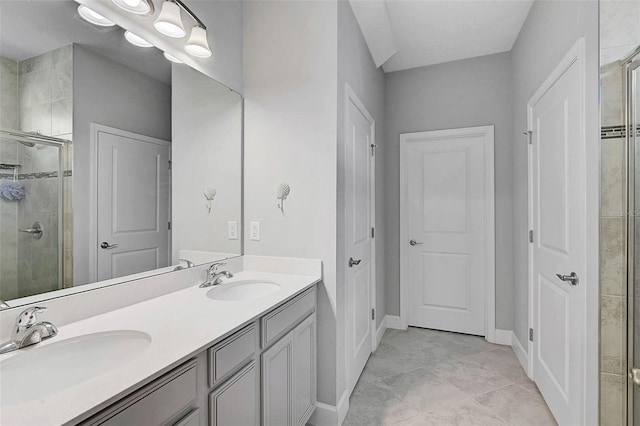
(115, 163)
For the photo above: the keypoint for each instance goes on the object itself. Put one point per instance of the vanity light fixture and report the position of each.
(172, 58)
(198, 45)
(136, 40)
(94, 17)
(169, 22)
(137, 7)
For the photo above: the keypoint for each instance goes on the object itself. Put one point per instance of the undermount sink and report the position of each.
(243, 290)
(39, 371)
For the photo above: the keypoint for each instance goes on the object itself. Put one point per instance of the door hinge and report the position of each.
(531, 334)
(169, 226)
(169, 164)
(530, 235)
(373, 149)
(529, 134)
(373, 314)
(373, 232)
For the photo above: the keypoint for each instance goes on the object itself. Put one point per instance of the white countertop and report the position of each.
(181, 325)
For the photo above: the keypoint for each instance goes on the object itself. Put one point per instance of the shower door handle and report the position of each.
(634, 374)
(105, 245)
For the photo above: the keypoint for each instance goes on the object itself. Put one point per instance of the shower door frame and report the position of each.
(630, 138)
(61, 145)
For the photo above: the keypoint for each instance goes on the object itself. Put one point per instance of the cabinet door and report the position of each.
(277, 383)
(235, 403)
(191, 419)
(304, 370)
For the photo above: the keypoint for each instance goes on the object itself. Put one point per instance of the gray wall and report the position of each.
(290, 86)
(356, 68)
(110, 94)
(550, 30)
(466, 93)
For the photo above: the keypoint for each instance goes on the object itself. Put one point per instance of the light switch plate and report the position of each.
(232, 230)
(254, 231)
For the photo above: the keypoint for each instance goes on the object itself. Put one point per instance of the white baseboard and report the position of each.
(343, 407)
(394, 322)
(503, 337)
(520, 352)
(381, 329)
(330, 415)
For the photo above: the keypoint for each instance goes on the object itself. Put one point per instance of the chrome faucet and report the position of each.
(214, 277)
(28, 330)
(189, 263)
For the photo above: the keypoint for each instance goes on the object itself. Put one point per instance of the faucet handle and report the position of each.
(214, 268)
(29, 316)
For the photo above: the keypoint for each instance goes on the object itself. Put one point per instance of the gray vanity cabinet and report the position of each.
(277, 383)
(166, 401)
(304, 371)
(289, 377)
(235, 403)
(263, 374)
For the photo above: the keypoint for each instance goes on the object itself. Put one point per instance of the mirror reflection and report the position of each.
(114, 163)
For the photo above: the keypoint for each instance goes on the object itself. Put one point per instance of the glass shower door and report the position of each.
(31, 203)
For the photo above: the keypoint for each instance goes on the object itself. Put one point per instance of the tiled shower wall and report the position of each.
(8, 154)
(613, 289)
(619, 35)
(44, 104)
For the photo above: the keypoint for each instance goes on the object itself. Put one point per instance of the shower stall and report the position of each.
(35, 183)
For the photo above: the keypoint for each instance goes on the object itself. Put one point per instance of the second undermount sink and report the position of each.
(39, 371)
(243, 290)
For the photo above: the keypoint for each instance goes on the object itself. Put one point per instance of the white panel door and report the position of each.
(133, 204)
(358, 172)
(445, 228)
(558, 194)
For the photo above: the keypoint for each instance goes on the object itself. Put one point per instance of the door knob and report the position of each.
(105, 245)
(353, 263)
(415, 243)
(571, 278)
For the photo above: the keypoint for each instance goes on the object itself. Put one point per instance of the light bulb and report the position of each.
(136, 40)
(198, 45)
(138, 7)
(172, 58)
(94, 17)
(169, 22)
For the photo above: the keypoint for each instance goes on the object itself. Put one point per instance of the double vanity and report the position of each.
(242, 352)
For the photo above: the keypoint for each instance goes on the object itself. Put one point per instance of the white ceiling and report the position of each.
(428, 32)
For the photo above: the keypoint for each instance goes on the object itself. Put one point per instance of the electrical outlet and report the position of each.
(232, 230)
(254, 231)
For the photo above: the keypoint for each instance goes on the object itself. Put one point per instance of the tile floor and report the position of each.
(426, 377)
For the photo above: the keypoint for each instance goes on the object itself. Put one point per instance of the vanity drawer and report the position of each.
(231, 354)
(159, 403)
(282, 319)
